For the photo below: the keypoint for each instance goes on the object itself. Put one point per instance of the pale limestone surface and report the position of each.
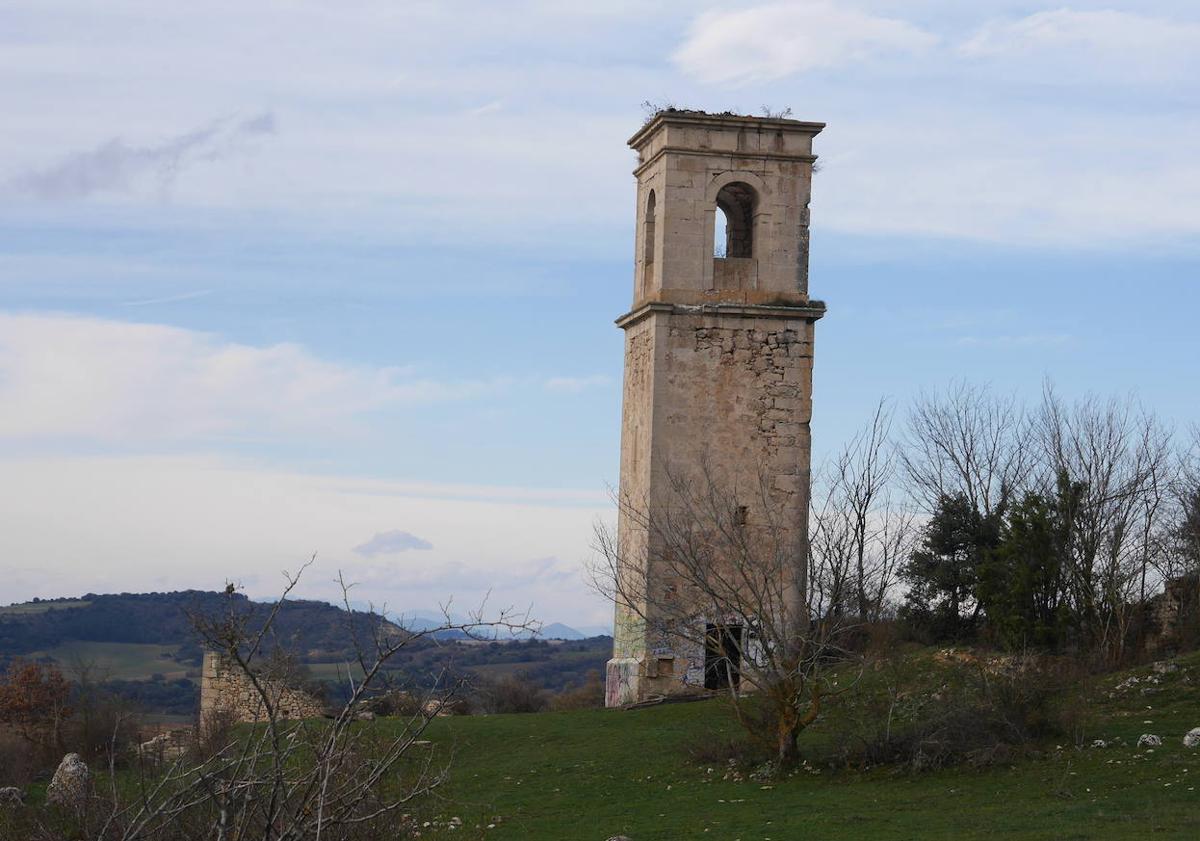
(69, 785)
(718, 351)
(227, 691)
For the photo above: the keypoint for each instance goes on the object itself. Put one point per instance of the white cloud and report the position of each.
(150, 523)
(384, 145)
(142, 384)
(782, 39)
(976, 175)
(1127, 38)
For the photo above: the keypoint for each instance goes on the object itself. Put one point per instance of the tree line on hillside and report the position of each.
(306, 626)
(1052, 525)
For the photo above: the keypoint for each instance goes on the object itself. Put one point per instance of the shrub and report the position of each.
(21, 762)
(982, 714)
(509, 694)
(587, 696)
(104, 726)
(730, 752)
(394, 703)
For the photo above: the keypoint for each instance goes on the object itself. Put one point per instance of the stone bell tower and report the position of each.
(718, 348)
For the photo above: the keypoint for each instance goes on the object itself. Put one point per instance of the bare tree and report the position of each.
(280, 779)
(862, 531)
(1119, 457)
(1179, 553)
(716, 576)
(970, 442)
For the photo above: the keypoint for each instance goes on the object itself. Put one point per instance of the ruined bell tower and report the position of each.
(718, 348)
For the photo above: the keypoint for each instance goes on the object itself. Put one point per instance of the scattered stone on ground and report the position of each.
(11, 796)
(366, 715)
(69, 787)
(1192, 739)
(1149, 740)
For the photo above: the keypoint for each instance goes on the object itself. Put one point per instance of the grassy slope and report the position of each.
(593, 774)
(31, 609)
(119, 660)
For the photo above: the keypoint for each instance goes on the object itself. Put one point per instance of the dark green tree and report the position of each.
(1021, 586)
(943, 573)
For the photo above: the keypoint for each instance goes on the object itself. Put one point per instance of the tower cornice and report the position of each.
(703, 119)
(812, 311)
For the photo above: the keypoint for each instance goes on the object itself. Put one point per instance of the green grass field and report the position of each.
(29, 608)
(594, 774)
(333, 671)
(119, 660)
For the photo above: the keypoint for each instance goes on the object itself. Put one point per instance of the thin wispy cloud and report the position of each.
(168, 299)
(1120, 35)
(490, 108)
(117, 166)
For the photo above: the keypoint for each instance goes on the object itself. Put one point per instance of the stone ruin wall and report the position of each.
(226, 691)
(1170, 614)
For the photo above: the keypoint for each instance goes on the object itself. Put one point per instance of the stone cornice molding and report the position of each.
(812, 311)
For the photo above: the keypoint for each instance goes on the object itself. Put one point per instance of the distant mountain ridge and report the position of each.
(550, 631)
(315, 628)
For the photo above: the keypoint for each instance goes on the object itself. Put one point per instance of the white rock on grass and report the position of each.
(1192, 739)
(69, 787)
(1149, 740)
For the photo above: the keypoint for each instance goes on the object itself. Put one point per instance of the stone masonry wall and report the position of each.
(738, 399)
(727, 387)
(225, 690)
(629, 634)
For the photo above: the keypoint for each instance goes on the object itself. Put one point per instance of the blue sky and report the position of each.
(295, 277)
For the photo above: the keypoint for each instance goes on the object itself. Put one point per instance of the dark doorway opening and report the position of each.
(722, 656)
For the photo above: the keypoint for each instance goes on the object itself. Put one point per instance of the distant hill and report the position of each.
(559, 631)
(316, 630)
(144, 645)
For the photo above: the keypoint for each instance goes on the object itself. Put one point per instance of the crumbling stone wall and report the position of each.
(1173, 616)
(227, 691)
